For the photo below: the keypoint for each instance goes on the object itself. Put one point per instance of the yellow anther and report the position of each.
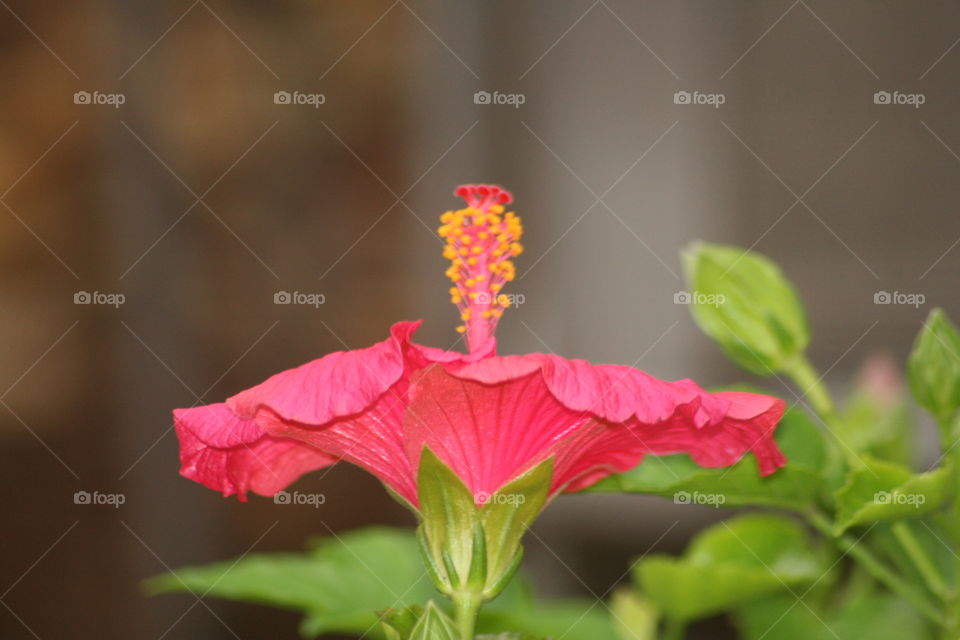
(479, 245)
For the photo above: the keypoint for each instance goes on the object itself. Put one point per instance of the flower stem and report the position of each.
(948, 431)
(805, 377)
(916, 553)
(874, 567)
(466, 606)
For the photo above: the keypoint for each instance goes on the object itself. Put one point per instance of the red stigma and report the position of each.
(482, 196)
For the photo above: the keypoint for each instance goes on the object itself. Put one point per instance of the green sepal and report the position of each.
(398, 624)
(477, 578)
(496, 587)
(434, 624)
(507, 514)
(470, 547)
(448, 519)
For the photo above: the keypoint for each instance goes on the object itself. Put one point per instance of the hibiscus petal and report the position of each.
(614, 393)
(227, 453)
(488, 434)
(372, 439)
(339, 384)
(492, 420)
(748, 426)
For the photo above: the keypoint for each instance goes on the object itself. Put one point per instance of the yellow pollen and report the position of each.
(480, 244)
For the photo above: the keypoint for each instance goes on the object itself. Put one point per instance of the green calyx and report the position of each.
(472, 550)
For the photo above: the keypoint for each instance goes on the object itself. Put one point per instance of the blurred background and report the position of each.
(167, 168)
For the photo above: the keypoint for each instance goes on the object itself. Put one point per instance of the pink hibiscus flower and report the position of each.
(489, 418)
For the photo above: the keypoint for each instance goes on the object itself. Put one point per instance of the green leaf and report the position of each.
(339, 584)
(742, 300)
(934, 368)
(342, 582)
(733, 562)
(570, 619)
(877, 616)
(881, 490)
(635, 617)
(796, 486)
